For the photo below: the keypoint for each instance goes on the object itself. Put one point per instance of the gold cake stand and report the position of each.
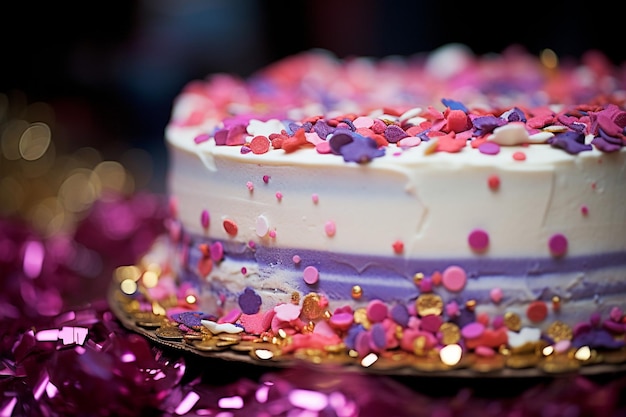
(266, 351)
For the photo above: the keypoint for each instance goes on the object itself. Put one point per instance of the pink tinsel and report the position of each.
(53, 290)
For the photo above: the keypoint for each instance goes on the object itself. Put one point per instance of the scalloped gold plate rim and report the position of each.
(162, 333)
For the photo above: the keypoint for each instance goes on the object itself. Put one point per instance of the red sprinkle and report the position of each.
(537, 311)
(398, 247)
(259, 145)
(230, 227)
(494, 182)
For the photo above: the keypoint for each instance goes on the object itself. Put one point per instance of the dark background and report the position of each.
(110, 70)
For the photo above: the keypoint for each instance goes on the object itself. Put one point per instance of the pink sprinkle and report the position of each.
(205, 219)
(244, 270)
(287, 312)
(315, 198)
(432, 323)
(272, 234)
(584, 210)
(426, 285)
(478, 240)
(230, 317)
(330, 228)
(201, 138)
(250, 185)
(472, 330)
(296, 259)
(279, 196)
(341, 321)
(519, 156)
(311, 275)
(562, 345)
(376, 311)
(452, 309)
(323, 147)
(217, 251)
(454, 278)
(496, 295)
(558, 244)
(484, 351)
(266, 178)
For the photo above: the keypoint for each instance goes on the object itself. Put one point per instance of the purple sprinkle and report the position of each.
(322, 129)
(489, 148)
(393, 133)
(603, 145)
(486, 124)
(361, 150)
(191, 318)
(571, 142)
(400, 314)
(340, 138)
(377, 336)
(249, 301)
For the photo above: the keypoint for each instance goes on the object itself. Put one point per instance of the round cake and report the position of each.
(441, 205)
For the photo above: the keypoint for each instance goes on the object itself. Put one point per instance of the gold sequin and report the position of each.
(311, 306)
(560, 331)
(450, 333)
(418, 277)
(429, 303)
(512, 321)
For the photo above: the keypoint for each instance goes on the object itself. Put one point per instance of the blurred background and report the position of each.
(101, 77)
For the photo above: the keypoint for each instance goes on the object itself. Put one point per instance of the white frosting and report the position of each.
(429, 202)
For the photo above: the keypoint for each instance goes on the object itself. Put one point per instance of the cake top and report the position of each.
(314, 99)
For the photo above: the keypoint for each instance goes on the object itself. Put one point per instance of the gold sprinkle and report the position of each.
(418, 277)
(295, 297)
(282, 333)
(470, 305)
(556, 303)
(419, 345)
(311, 306)
(429, 303)
(327, 314)
(360, 317)
(512, 321)
(450, 333)
(357, 292)
(560, 331)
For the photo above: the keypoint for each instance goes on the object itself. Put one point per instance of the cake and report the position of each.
(440, 205)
